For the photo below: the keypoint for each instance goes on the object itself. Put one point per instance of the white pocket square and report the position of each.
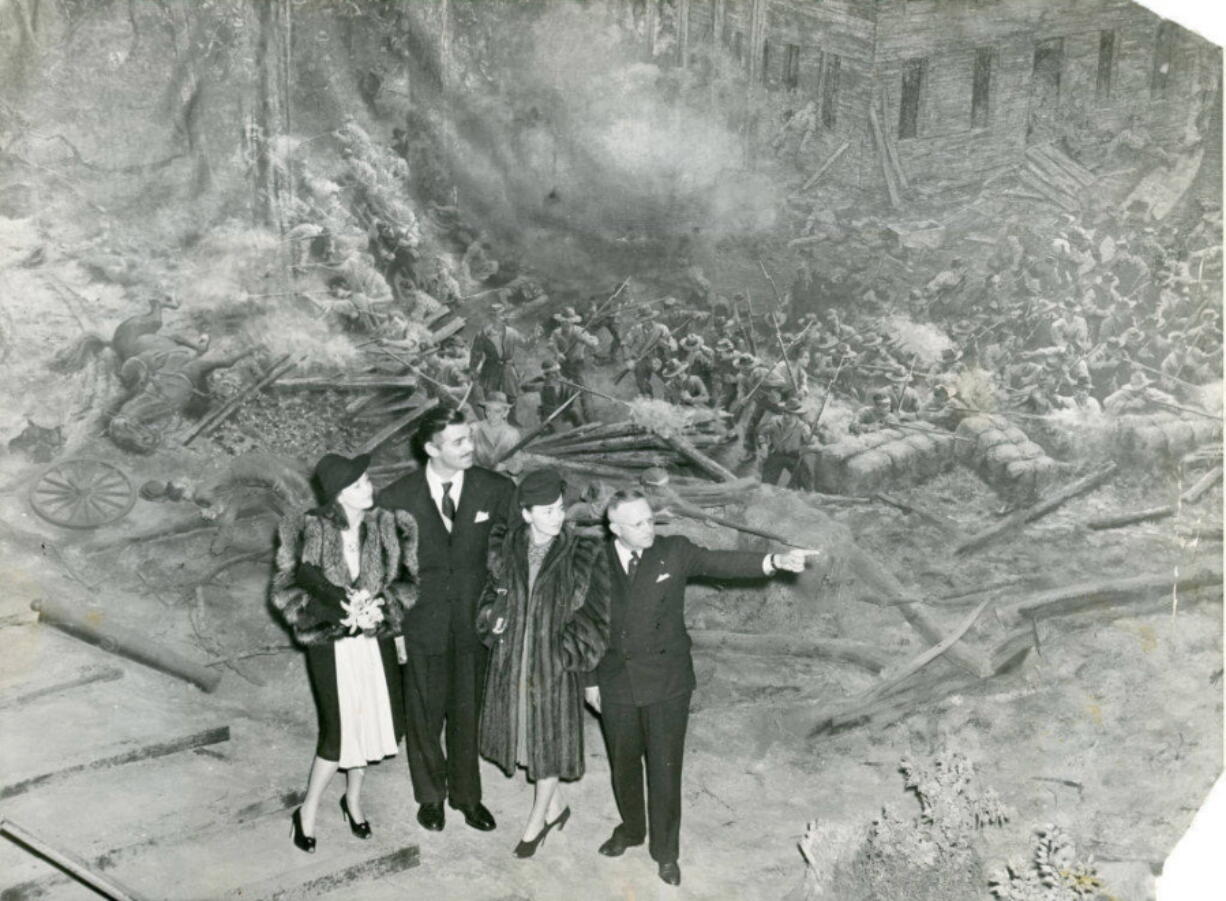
(481, 516)
(661, 577)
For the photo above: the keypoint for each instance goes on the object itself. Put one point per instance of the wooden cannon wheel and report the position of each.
(83, 493)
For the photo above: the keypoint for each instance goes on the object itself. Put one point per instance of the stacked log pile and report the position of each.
(865, 464)
(624, 446)
(1003, 456)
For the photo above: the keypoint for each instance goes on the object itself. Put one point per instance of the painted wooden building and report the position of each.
(956, 88)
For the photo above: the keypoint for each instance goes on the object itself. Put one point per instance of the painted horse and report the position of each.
(162, 375)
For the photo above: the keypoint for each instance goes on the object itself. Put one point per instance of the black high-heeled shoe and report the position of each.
(361, 830)
(528, 848)
(302, 841)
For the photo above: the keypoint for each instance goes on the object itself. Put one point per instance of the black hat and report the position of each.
(334, 473)
(540, 487)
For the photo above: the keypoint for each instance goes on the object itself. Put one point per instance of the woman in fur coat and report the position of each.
(345, 574)
(546, 614)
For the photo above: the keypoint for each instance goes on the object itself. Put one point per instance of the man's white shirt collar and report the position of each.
(435, 484)
(624, 554)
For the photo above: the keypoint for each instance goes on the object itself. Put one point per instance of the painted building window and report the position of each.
(831, 64)
(981, 88)
(1048, 68)
(710, 35)
(728, 31)
(791, 67)
(1164, 58)
(766, 62)
(912, 87)
(1106, 65)
(738, 46)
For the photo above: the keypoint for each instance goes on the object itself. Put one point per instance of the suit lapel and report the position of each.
(649, 568)
(433, 519)
(469, 502)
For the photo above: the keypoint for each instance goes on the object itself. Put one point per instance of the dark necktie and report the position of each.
(633, 565)
(448, 503)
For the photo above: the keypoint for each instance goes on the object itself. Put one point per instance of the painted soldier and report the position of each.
(648, 343)
(494, 436)
(945, 409)
(875, 416)
(1138, 396)
(698, 358)
(553, 394)
(683, 387)
(904, 400)
(571, 342)
(494, 354)
(724, 375)
(783, 440)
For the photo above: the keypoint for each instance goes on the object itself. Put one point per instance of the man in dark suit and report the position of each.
(642, 685)
(460, 509)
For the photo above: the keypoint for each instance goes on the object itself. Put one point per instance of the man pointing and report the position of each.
(642, 685)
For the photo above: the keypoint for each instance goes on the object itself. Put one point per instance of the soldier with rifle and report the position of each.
(571, 342)
(553, 395)
(648, 344)
(785, 442)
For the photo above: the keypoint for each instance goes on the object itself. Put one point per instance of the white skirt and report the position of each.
(367, 732)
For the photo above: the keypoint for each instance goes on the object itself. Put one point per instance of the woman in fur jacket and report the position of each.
(545, 613)
(345, 574)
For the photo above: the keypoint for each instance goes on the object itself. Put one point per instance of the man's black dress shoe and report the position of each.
(431, 816)
(616, 845)
(670, 873)
(475, 815)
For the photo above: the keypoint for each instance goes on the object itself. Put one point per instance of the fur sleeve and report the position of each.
(296, 536)
(398, 532)
(585, 636)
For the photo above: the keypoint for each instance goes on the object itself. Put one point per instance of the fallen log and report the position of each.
(614, 474)
(1088, 595)
(87, 677)
(697, 458)
(354, 383)
(881, 698)
(92, 627)
(213, 420)
(392, 428)
(967, 597)
(390, 408)
(1039, 509)
(120, 758)
(323, 878)
(1201, 534)
(927, 689)
(821, 170)
(533, 433)
(862, 655)
(182, 530)
(644, 441)
(881, 689)
(628, 459)
(107, 886)
(973, 661)
(191, 831)
(1191, 496)
(944, 523)
(591, 431)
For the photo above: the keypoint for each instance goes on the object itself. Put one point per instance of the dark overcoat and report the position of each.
(568, 621)
(310, 579)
